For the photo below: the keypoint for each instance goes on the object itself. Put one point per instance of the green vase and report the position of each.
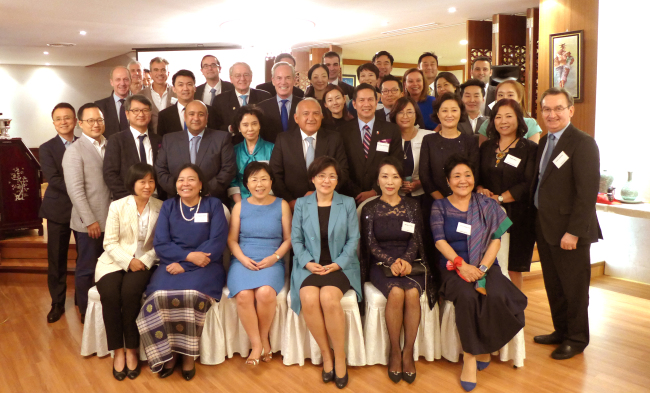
(629, 192)
(606, 181)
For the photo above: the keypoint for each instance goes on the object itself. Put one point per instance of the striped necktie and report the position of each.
(366, 140)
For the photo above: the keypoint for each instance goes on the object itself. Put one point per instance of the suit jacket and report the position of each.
(290, 168)
(490, 97)
(343, 238)
(269, 88)
(200, 89)
(83, 170)
(111, 117)
(225, 104)
(215, 157)
(121, 153)
(154, 109)
(170, 121)
(465, 126)
(56, 204)
(272, 120)
(363, 172)
(121, 236)
(567, 195)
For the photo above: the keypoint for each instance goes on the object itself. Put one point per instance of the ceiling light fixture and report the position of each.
(46, 53)
(82, 32)
(47, 64)
(452, 10)
(463, 61)
(463, 42)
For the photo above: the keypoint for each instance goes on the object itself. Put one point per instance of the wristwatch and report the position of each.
(500, 198)
(483, 268)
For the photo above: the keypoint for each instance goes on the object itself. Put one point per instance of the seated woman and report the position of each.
(391, 246)
(190, 240)
(260, 236)
(318, 76)
(467, 228)
(124, 269)
(248, 121)
(507, 175)
(335, 113)
(325, 235)
(414, 88)
(515, 91)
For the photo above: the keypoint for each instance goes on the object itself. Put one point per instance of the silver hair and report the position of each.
(132, 62)
(239, 63)
(282, 63)
(115, 68)
(309, 99)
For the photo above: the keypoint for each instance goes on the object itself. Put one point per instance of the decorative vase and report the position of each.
(606, 181)
(629, 191)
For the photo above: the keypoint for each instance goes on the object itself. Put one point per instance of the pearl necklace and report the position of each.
(183, 214)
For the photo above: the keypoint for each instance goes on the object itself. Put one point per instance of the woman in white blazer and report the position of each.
(124, 269)
(406, 114)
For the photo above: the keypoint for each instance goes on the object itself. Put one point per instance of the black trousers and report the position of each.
(566, 276)
(89, 250)
(121, 295)
(58, 241)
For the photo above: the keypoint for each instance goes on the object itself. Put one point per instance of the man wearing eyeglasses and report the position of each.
(160, 93)
(83, 164)
(564, 193)
(131, 146)
(113, 106)
(213, 86)
(391, 90)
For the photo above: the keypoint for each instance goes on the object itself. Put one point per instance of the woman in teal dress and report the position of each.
(260, 235)
(248, 121)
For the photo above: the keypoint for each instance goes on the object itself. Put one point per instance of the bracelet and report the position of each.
(277, 256)
(458, 261)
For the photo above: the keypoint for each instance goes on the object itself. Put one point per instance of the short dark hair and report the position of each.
(81, 110)
(399, 106)
(383, 53)
(63, 105)
(138, 172)
(522, 128)
(327, 114)
(454, 160)
(137, 97)
(314, 68)
(441, 100)
(393, 78)
(424, 92)
(367, 67)
(187, 73)
(254, 167)
(554, 91)
(204, 184)
(247, 110)
(449, 77)
(330, 54)
(481, 58)
(364, 86)
(394, 162)
(321, 163)
(284, 56)
(146, 70)
(472, 82)
(427, 54)
(219, 64)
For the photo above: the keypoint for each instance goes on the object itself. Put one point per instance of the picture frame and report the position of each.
(566, 67)
(350, 79)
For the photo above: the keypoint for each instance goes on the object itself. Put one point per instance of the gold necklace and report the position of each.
(502, 153)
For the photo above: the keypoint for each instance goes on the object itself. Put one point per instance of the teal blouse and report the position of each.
(262, 152)
(533, 127)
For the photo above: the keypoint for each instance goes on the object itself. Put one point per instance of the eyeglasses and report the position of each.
(322, 177)
(138, 111)
(557, 109)
(239, 76)
(407, 113)
(213, 65)
(91, 122)
(391, 91)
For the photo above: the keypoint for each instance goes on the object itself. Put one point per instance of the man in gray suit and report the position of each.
(210, 149)
(83, 164)
(472, 93)
(159, 93)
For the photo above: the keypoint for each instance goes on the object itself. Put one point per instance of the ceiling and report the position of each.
(115, 27)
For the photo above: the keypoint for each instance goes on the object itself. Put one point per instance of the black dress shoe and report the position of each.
(328, 377)
(133, 374)
(188, 375)
(120, 375)
(549, 339)
(165, 372)
(341, 382)
(55, 313)
(565, 351)
(408, 377)
(395, 376)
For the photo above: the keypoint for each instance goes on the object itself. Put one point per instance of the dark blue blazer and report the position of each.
(56, 204)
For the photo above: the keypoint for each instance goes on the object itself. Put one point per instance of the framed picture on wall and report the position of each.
(350, 80)
(566, 67)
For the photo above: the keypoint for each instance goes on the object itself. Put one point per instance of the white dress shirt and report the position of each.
(143, 225)
(99, 146)
(248, 97)
(207, 96)
(159, 100)
(146, 142)
(305, 143)
(181, 114)
(473, 122)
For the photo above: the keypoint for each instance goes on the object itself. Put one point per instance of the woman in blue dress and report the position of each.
(414, 87)
(248, 121)
(260, 235)
(190, 239)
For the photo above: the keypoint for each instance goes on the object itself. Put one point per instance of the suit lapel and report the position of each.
(177, 117)
(131, 150)
(295, 145)
(312, 204)
(562, 144)
(233, 101)
(292, 111)
(153, 218)
(335, 212)
(89, 146)
(374, 138)
(133, 212)
(203, 147)
(357, 145)
(184, 145)
(111, 109)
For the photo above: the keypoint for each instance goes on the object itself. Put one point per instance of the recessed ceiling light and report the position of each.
(47, 64)
(463, 42)
(46, 53)
(61, 45)
(463, 60)
(452, 9)
(84, 33)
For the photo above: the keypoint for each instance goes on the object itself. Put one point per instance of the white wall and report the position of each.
(28, 94)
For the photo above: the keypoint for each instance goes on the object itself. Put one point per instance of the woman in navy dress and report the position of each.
(260, 235)
(190, 239)
(414, 87)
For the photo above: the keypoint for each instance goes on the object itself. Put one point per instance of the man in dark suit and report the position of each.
(568, 168)
(384, 61)
(472, 93)
(268, 86)
(297, 148)
(56, 206)
(210, 68)
(367, 140)
(391, 90)
(210, 149)
(113, 106)
(428, 64)
(131, 146)
(227, 103)
(279, 111)
(482, 70)
(332, 61)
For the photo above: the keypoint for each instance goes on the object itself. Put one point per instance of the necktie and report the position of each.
(143, 152)
(309, 158)
(124, 123)
(244, 99)
(194, 148)
(545, 160)
(366, 140)
(284, 115)
(213, 92)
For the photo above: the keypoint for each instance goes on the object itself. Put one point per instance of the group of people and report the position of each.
(407, 183)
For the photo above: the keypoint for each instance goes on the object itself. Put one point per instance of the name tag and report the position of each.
(560, 159)
(408, 227)
(465, 229)
(382, 146)
(512, 160)
(417, 144)
(264, 161)
(201, 217)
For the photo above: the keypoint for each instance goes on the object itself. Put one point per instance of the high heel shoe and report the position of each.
(341, 382)
(408, 377)
(468, 386)
(165, 372)
(395, 376)
(328, 377)
(120, 375)
(188, 375)
(267, 357)
(254, 362)
(480, 366)
(133, 374)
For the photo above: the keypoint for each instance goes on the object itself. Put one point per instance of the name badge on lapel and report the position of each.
(201, 217)
(408, 227)
(512, 160)
(560, 159)
(465, 229)
(382, 146)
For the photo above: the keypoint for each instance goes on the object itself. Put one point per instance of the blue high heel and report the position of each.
(468, 386)
(480, 366)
